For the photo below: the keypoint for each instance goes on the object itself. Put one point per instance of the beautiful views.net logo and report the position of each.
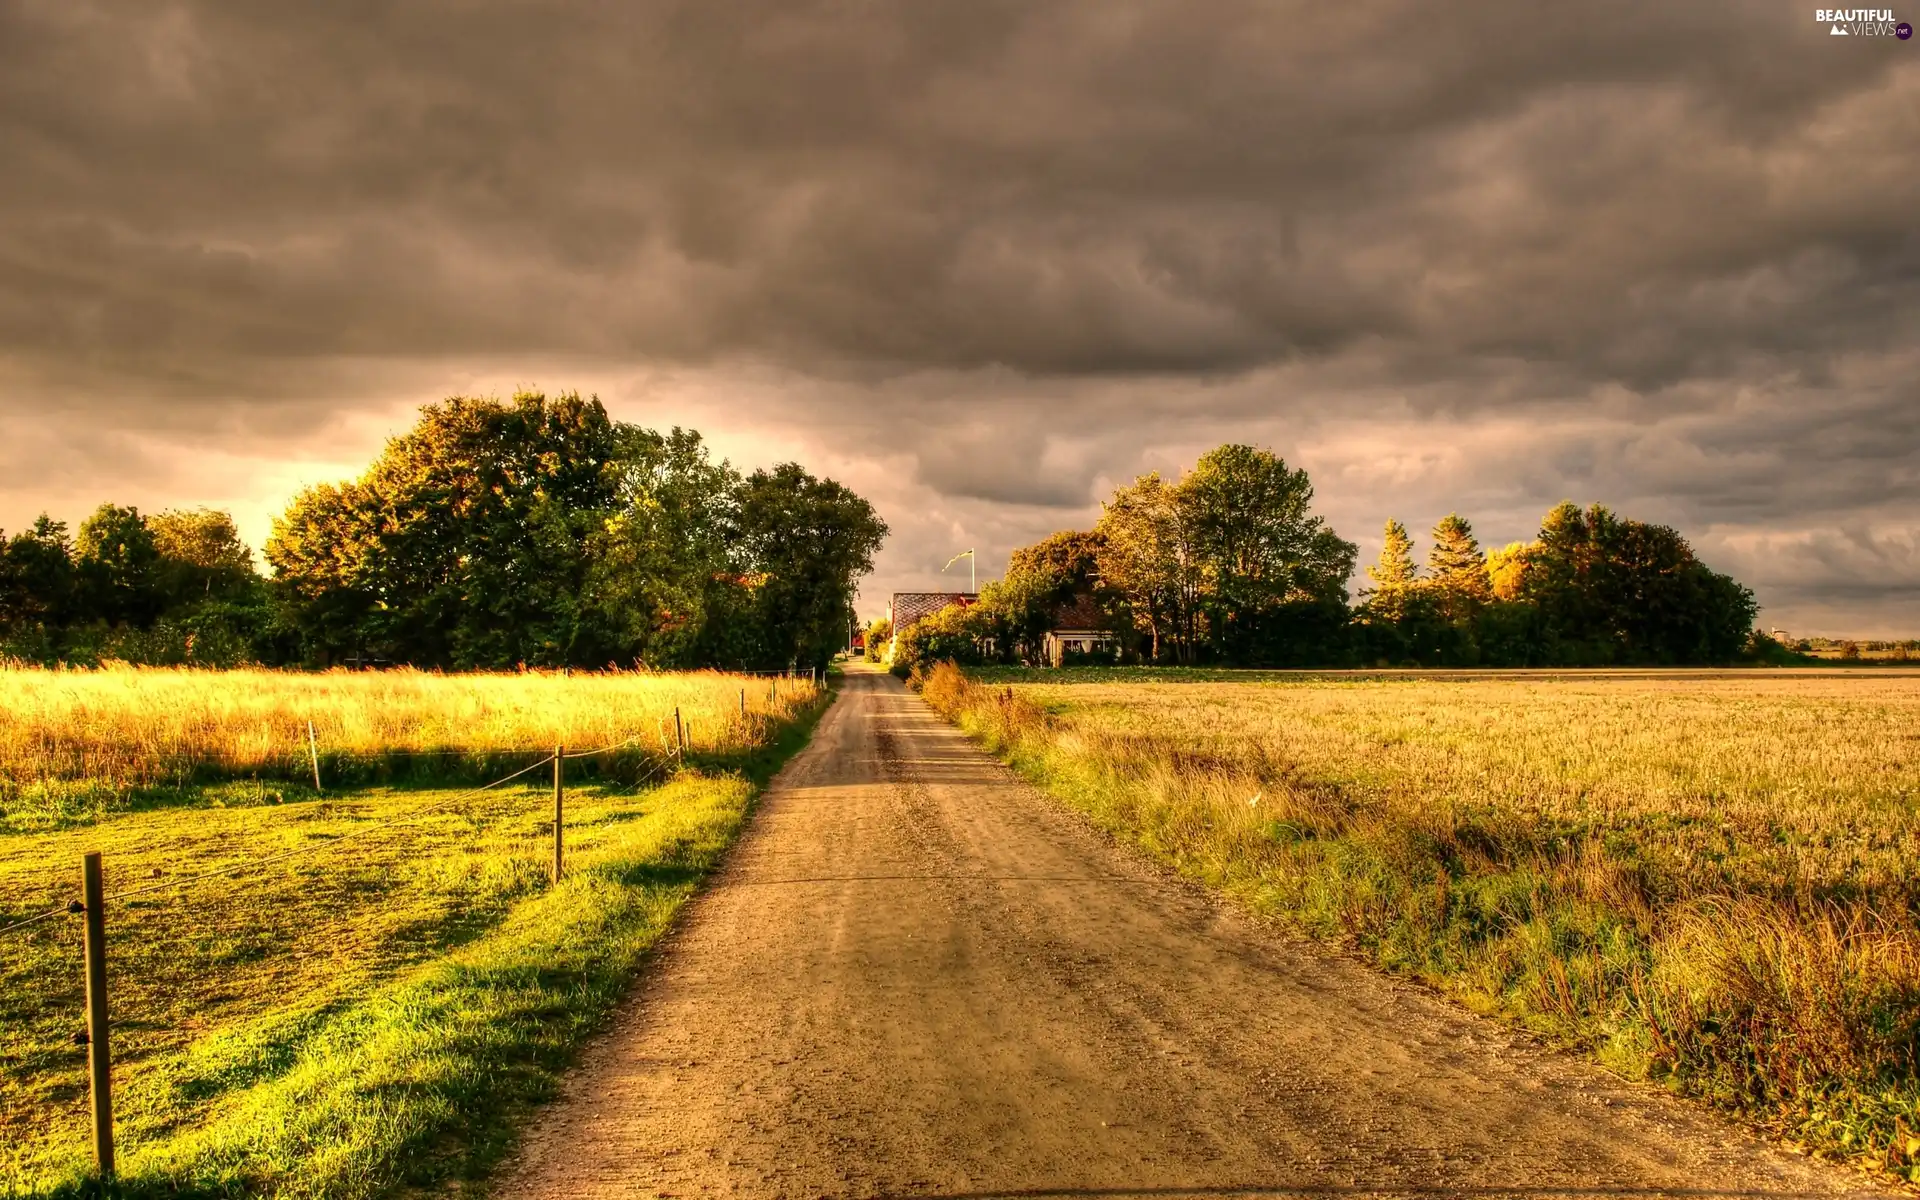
(1863, 22)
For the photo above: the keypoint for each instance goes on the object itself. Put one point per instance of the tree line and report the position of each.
(536, 532)
(1229, 565)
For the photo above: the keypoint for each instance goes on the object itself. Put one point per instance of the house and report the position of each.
(1077, 629)
(907, 607)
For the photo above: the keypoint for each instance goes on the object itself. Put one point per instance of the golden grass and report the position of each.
(1711, 880)
(74, 743)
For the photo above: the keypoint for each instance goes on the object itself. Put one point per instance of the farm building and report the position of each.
(1077, 630)
(907, 607)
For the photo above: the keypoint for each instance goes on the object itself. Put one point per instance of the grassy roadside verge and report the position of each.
(355, 1023)
(1750, 942)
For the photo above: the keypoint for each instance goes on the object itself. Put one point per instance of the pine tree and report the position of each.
(1393, 576)
(1457, 565)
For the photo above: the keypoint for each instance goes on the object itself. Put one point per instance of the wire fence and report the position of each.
(94, 902)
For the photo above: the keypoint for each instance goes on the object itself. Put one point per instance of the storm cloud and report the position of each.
(985, 260)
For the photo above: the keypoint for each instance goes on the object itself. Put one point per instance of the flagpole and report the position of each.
(973, 580)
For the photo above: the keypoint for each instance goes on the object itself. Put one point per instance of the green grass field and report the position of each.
(1710, 880)
(375, 1013)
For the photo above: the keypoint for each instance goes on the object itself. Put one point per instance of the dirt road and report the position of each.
(917, 976)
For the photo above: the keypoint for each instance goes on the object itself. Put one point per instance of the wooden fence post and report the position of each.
(99, 1054)
(313, 753)
(743, 702)
(559, 810)
(679, 732)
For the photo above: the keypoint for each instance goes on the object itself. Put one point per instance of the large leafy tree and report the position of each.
(1147, 555)
(118, 568)
(664, 576)
(1256, 534)
(465, 543)
(807, 541)
(202, 556)
(540, 531)
(1613, 590)
(1230, 559)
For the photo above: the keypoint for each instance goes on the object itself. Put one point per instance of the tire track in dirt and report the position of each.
(917, 976)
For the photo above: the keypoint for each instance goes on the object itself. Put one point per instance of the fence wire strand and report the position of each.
(181, 881)
(314, 846)
(63, 910)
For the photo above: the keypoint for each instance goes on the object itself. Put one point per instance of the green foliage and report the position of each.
(1615, 591)
(876, 636)
(535, 532)
(174, 588)
(1394, 577)
(961, 633)
(810, 539)
(117, 567)
(1457, 570)
(1227, 562)
(542, 532)
(1040, 580)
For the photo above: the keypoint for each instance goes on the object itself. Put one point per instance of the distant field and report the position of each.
(76, 744)
(379, 1008)
(1711, 879)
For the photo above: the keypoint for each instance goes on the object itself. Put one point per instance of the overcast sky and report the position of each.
(982, 261)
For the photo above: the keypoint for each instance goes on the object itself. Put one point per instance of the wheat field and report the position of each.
(78, 743)
(1709, 880)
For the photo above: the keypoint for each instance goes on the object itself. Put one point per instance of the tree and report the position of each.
(1258, 544)
(466, 542)
(1394, 576)
(663, 566)
(811, 539)
(1613, 590)
(1230, 561)
(1457, 571)
(1507, 569)
(1040, 579)
(323, 551)
(37, 577)
(1147, 555)
(541, 531)
(117, 568)
(201, 555)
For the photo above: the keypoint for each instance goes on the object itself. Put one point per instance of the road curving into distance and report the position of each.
(917, 976)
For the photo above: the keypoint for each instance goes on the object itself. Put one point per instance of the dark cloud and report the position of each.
(991, 257)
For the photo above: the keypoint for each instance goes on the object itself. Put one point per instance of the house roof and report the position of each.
(907, 607)
(1079, 613)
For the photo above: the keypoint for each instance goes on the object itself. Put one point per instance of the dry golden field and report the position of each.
(1708, 879)
(75, 743)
